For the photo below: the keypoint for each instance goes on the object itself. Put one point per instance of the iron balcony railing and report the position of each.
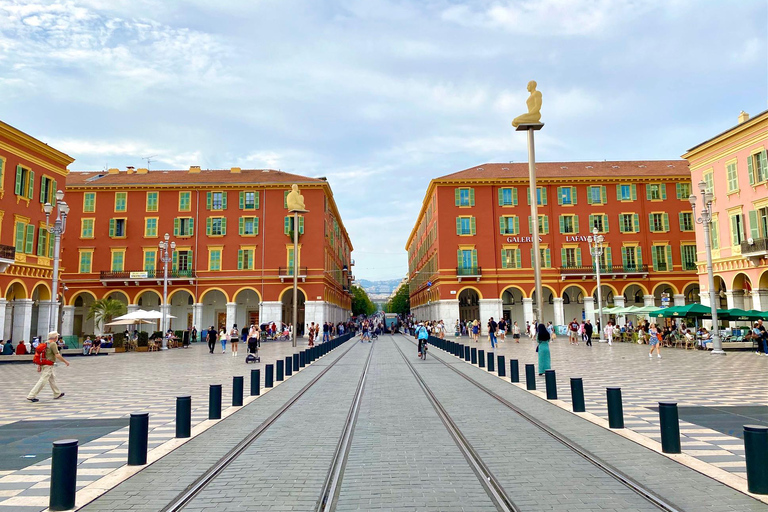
(145, 274)
(7, 252)
(689, 265)
(759, 246)
(604, 269)
(469, 271)
(288, 271)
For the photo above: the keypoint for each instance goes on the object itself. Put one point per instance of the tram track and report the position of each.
(582, 452)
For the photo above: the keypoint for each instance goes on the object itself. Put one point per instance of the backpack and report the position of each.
(39, 358)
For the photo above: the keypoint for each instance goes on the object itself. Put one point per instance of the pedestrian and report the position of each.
(654, 341)
(502, 330)
(311, 334)
(223, 340)
(193, 336)
(475, 330)
(609, 333)
(763, 338)
(234, 337)
(573, 331)
(588, 333)
(45, 356)
(421, 335)
(516, 332)
(211, 335)
(542, 348)
(492, 326)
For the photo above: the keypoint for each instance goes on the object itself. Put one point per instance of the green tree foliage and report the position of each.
(104, 310)
(400, 303)
(361, 303)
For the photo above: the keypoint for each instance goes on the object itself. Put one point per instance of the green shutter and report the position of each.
(543, 196)
(764, 160)
(681, 220)
(31, 184)
(654, 259)
(636, 221)
(530, 225)
(516, 224)
(563, 257)
(30, 239)
(663, 187)
(176, 224)
(111, 227)
(457, 196)
(575, 223)
(174, 261)
(20, 179)
(634, 192)
(242, 200)
(618, 192)
(287, 225)
(20, 230)
(224, 200)
(208, 226)
(501, 197)
(471, 197)
(666, 222)
(255, 225)
(50, 244)
(603, 194)
(678, 190)
(668, 251)
(241, 226)
(591, 221)
(514, 196)
(224, 226)
(605, 223)
(474, 258)
(528, 191)
(546, 225)
(589, 195)
(208, 200)
(608, 257)
(504, 258)
(458, 225)
(42, 189)
(301, 225)
(750, 171)
(578, 257)
(240, 259)
(472, 226)
(502, 225)
(285, 198)
(574, 196)
(648, 191)
(560, 196)
(191, 229)
(41, 242)
(459, 259)
(650, 223)
(256, 200)
(518, 262)
(754, 228)
(562, 224)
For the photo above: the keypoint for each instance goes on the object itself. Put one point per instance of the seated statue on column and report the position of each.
(534, 107)
(294, 200)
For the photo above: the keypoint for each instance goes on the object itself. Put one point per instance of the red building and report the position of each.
(469, 253)
(233, 259)
(30, 174)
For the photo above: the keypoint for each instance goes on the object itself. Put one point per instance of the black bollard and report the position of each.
(214, 402)
(466, 352)
(138, 439)
(255, 382)
(481, 358)
(183, 416)
(491, 362)
(551, 382)
(615, 409)
(670, 427)
(237, 391)
(269, 375)
(474, 355)
(288, 366)
(530, 377)
(63, 475)
(577, 394)
(302, 356)
(514, 370)
(756, 451)
(280, 368)
(295, 359)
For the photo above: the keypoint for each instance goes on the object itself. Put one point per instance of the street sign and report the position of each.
(139, 275)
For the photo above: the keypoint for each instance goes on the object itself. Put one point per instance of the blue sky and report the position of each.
(378, 95)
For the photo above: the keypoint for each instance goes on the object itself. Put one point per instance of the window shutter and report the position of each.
(472, 226)
(654, 258)
(624, 257)
(750, 170)
(648, 191)
(589, 195)
(208, 200)
(504, 258)
(471, 197)
(681, 219)
(764, 161)
(457, 196)
(650, 223)
(42, 189)
(458, 225)
(563, 257)
(301, 225)
(242, 200)
(618, 192)
(241, 226)
(224, 200)
(501, 197)
(638, 256)
(474, 258)
(518, 263)
(591, 222)
(111, 227)
(634, 192)
(459, 259)
(256, 200)
(578, 256)
(20, 230)
(560, 196)
(516, 225)
(287, 225)
(31, 185)
(530, 225)
(240, 259)
(663, 187)
(666, 222)
(208, 226)
(255, 225)
(603, 195)
(543, 196)
(528, 191)
(575, 223)
(608, 257)
(514, 196)
(191, 227)
(605, 223)
(546, 226)
(41, 242)
(636, 221)
(20, 179)
(754, 229)
(548, 257)
(224, 226)
(574, 196)
(175, 261)
(176, 227)
(50, 244)
(678, 190)
(502, 225)
(668, 250)
(562, 224)
(30, 240)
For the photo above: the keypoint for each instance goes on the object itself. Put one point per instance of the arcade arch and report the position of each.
(181, 304)
(214, 303)
(287, 300)
(469, 305)
(247, 309)
(512, 306)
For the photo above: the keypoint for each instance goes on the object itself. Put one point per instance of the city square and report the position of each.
(390, 255)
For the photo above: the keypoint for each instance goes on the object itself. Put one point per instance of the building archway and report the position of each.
(573, 303)
(662, 292)
(720, 293)
(16, 291)
(548, 308)
(181, 304)
(634, 295)
(692, 293)
(469, 305)
(214, 309)
(742, 291)
(512, 306)
(81, 324)
(247, 309)
(41, 311)
(287, 300)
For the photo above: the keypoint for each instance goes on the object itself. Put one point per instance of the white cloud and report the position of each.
(93, 150)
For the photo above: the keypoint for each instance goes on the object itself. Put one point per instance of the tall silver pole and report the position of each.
(295, 276)
(717, 346)
(599, 254)
(53, 317)
(535, 226)
(165, 294)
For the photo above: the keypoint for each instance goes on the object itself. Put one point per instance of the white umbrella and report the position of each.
(129, 321)
(140, 314)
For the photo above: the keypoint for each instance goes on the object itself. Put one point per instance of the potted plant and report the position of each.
(142, 344)
(118, 342)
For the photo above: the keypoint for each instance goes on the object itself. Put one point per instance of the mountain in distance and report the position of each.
(379, 287)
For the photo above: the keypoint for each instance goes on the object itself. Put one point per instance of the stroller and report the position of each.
(253, 351)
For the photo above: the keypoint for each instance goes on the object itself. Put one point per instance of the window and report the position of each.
(546, 258)
(656, 192)
(118, 260)
(117, 228)
(631, 258)
(216, 226)
(150, 258)
(249, 226)
(249, 200)
(185, 201)
(89, 202)
(629, 222)
(688, 256)
(658, 222)
(214, 259)
(86, 228)
(596, 195)
(216, 200)
(599, 221)
(288, 225)
(626, 192)
(465, 226)
(150, 227)
(25, 182)
(510, 258)
(509, 225)
(245, 259)
(569, 224)
(541, 196)
(662, 258)
(85, 261)
(737, 229)
(683, 190)
(289, 257)
(543, 225)
(182, 260)
(25, 237)
(151, 201)
(47, 190)
(732, 176)
(508, 196)
(21, 231)
(571, 257)
(121, 201)
(464, 197)
(468, 261)
(566, 195)
(758, 223)
(714, 232)
(183, 226)
(708, 179)
(44, 245)
(606, 260)
(757, 167)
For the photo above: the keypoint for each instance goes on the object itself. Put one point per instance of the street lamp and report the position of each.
(596, 248)
(705, 220)
(58, 228)
(166, 258)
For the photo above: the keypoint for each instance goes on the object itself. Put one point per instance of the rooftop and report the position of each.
(611, 169)
(113, 177)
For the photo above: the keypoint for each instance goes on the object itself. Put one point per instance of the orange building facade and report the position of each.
(233, 259)
(469, 254)
(30, 173)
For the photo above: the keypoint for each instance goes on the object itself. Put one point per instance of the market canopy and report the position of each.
(140, 314)
(740, 314)
(689, 310)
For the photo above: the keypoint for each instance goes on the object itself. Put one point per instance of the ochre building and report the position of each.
(30, 174)
(470, 251)
(233, 259)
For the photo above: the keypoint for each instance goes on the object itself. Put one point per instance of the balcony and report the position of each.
(469, 273)
(287, 273)
(142, 276)
(756, 250)
(7, 256)
(690, 265)
(606, 270)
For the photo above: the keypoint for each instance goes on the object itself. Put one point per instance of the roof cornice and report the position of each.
(27, 141)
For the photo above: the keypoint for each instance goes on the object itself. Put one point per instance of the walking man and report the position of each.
(492, 326)
(45, 367)
(573, 332)
(588, 333)
(211, 339)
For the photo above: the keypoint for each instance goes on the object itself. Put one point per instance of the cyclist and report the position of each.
(421, 334)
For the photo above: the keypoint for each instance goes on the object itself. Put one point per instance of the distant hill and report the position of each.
(379, 287)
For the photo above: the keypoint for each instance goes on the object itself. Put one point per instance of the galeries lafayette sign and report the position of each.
(529, 239)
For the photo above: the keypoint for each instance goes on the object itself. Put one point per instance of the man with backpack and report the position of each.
(422, 335)
(45, 355)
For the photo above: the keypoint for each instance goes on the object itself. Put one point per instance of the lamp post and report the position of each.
(596, 248)
(58, 228)
(705, 219)
(166, 258)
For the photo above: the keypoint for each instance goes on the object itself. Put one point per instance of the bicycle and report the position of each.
(424, 350)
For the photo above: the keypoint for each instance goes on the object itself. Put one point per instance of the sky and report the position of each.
(379, 96)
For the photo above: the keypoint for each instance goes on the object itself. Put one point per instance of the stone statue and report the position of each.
(534, 107)
(295, 200)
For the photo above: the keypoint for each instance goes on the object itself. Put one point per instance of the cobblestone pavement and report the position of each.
(115, 386)
(689, 377)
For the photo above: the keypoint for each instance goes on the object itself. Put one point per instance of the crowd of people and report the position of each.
(23, 347)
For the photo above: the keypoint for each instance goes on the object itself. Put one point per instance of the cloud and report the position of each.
(93, 151)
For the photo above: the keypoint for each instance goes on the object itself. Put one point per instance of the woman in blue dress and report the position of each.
(542, 337)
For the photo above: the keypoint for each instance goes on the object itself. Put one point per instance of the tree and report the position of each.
(361, 303)
(400, 303)
(104, 310)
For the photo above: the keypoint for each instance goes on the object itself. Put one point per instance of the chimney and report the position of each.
(142, 170)
(129, 170)
(743, 116)
(235, 170)
(114, 171)
(194, 168)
